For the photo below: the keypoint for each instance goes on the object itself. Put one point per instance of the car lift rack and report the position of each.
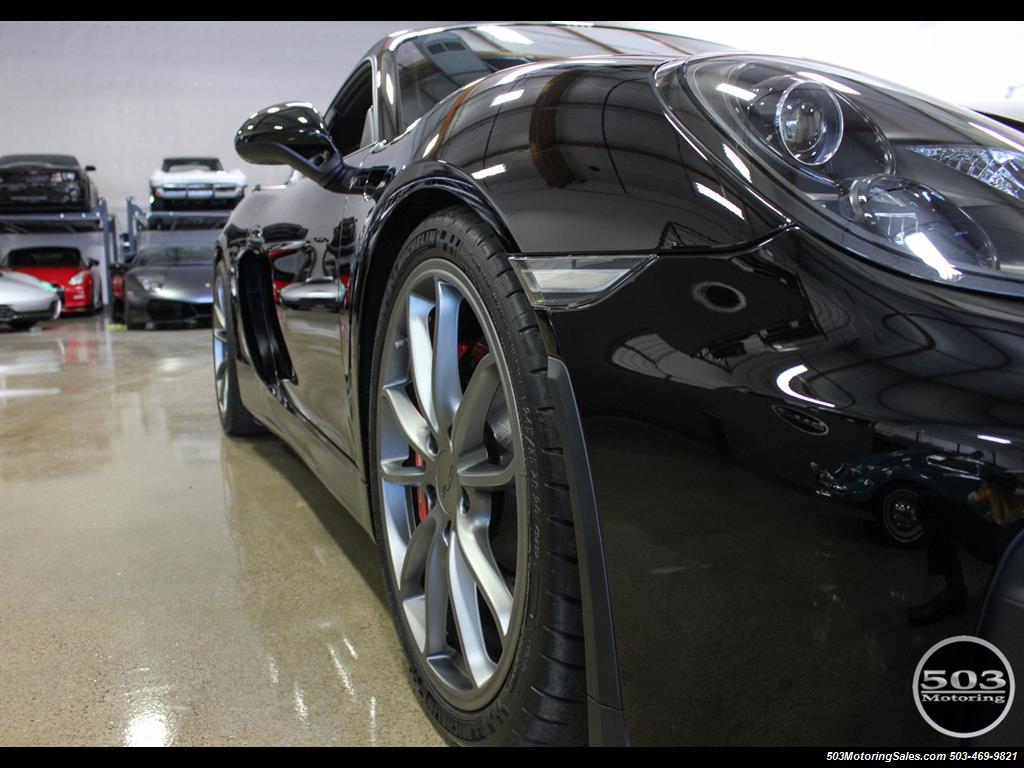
(140, 220)
(99, 219)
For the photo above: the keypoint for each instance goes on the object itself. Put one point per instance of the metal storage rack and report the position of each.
(75, 228)
(147, 227)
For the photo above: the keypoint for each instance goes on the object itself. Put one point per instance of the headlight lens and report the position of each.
(151, 283)
(79, 278)
(928, 188)
(801, 119)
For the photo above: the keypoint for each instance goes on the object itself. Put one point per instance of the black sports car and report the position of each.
(45, 183)
(570, 312)
(168, 284)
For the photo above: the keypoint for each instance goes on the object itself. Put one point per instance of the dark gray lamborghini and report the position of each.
(169, 284)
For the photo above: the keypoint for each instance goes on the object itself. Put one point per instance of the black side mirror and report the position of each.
(294, 134)
(90, 168)
(93, 262)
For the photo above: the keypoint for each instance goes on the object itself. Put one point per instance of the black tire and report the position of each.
(902, 526)
(542, 699)
(130, 324)
(21, 325)
(235, 419)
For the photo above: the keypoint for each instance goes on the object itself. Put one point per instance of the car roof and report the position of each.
(63, 160)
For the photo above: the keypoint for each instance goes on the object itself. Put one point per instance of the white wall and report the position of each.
(122, 95)
(973, 63)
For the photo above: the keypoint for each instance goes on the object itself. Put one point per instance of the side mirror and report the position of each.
(90, 168)
(294, 134)
(93, 262)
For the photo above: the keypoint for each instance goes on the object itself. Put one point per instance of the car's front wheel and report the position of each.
(235, 418)
(471, 509)
(130, 323)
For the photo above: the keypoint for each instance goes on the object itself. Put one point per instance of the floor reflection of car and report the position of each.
(169, 284)
(25, 300)
(64, 268)
(891, 485)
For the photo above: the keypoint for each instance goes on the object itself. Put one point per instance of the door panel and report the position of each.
(299, 247)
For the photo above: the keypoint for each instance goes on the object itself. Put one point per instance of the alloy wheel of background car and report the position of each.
(235, 419)
(477, 574)
(898, 512)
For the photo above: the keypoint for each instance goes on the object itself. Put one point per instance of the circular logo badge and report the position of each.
(963, 686)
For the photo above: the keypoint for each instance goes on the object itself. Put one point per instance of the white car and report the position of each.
(195, 183)
(24, 300)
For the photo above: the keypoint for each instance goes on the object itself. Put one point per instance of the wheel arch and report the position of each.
(894, 483)
(393, 221)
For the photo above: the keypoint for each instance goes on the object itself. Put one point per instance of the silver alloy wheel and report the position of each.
(900, 516)
(453, 485)
(220, 342)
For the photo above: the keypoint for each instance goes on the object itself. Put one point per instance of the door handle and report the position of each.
(323, 293)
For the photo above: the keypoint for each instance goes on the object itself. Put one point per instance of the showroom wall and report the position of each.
(122, 95)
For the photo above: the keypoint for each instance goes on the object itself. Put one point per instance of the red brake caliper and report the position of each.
(476, 351)
(421, 493)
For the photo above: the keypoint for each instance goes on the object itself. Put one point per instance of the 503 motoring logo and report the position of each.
(963, 686)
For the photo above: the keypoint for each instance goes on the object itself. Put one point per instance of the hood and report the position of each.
(188, 282)
(185, 275)
(15, 286)
(197, 176)
(51, 274)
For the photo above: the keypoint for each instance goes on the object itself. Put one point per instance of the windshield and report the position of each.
(172, 256)
(432, 66)
(44, 257)
(175, 164)
(63, 160)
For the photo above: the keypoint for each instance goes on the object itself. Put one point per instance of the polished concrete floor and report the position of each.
(163, 584)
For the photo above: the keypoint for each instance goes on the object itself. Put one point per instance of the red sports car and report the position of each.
(64, 268)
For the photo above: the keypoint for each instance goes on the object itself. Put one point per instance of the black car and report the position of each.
(45, 183)
(570, 313)
(168, 285)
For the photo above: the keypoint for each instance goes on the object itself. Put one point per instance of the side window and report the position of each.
(350, 116)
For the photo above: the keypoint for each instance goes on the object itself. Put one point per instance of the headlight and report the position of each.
(930, 189)
(151, 283)
(79, 278)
